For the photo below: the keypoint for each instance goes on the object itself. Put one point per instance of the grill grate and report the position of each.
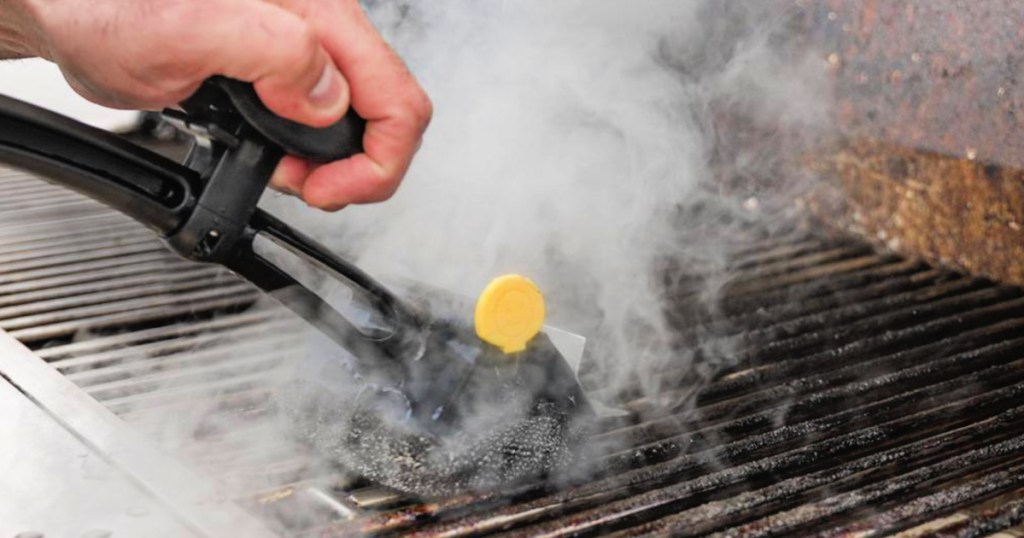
(864, 394)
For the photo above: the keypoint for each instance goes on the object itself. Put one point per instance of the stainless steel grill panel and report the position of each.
(838, 392)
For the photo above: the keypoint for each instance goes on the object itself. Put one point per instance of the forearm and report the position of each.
(19, 35)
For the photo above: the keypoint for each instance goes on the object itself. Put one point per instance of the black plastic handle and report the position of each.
(339, 141)
(146, 186)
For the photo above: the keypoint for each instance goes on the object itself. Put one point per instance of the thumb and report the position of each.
(279, 53)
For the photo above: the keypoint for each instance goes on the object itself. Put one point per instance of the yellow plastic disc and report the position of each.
(509, 313)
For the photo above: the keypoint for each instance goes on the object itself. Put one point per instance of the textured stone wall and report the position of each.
(928, 107)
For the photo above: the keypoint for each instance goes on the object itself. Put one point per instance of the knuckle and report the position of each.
(295, 43)
(422, 109)
(177, 15)
(149, 85)
(172, 47)
(307, 45)
(176, 26)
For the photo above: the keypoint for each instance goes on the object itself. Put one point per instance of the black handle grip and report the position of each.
(339, 141)
(139, 183)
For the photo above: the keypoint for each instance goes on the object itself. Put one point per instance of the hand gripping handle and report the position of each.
(338, 141)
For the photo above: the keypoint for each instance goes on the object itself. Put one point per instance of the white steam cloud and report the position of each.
(569, 139)
(580, 143)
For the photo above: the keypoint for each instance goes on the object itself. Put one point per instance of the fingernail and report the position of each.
(327, 91)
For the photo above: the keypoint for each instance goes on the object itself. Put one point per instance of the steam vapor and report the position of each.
(591, 146)
(576, 142)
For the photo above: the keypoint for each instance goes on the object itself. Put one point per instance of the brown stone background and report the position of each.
(928, 105)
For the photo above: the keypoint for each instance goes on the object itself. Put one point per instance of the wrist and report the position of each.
(20, 33)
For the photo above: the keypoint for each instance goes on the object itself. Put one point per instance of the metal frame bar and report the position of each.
(192, 499)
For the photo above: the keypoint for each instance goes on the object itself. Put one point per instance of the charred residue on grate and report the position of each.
(861, 393)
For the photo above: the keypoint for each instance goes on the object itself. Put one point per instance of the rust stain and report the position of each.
(927, 96)
(963, 214)
(869, 16)
(927, 74)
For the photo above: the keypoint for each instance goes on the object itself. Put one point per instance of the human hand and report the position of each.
(308, 60)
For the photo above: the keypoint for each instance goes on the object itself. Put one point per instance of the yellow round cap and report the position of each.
(509, 313)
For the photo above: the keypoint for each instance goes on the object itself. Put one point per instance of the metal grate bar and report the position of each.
(820, 512)
(163, 397)
(40, 249)
(749, 375)
(162, 349)
(849, 392)
(12, 324)
(145, 246)
(1006, 515)
(70, 304)
(135, 370)
(119, 285)
(16, 232)
(119, 343)
(165, 310)
(936, 505)
(736, 304)
(78, 267)
(148, 382)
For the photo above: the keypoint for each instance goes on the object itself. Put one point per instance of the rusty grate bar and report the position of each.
(1006, 515)
(669, 484)
(936, 505)
(751, 375)
(817, 513)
